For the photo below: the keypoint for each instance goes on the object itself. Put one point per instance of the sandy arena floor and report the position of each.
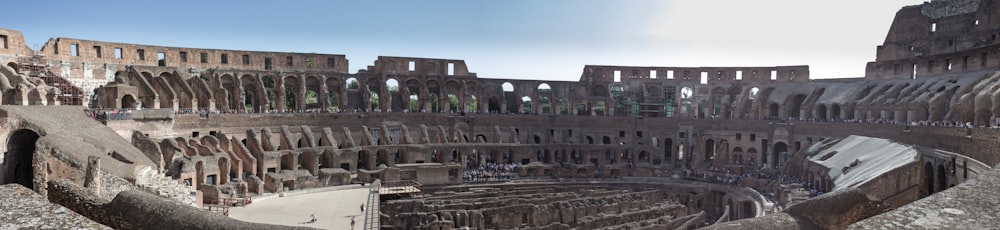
(333, 207)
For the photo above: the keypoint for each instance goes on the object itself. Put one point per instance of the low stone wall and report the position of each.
(136, 209)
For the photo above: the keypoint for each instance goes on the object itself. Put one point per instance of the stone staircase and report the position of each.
(157, 183)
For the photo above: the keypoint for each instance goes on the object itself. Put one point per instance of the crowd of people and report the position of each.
(110, 114)
(489, 172)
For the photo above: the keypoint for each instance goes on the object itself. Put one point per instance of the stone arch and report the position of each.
(544, 95)
(773, 110)
(433, 103)
(313, 91)
(751, 156)
(493, 104)
(395, 95)
(710, 150)
(737, 156)
(599, 91)
(268, 94)
(334, 92)
(291, 95)
(835, 111)
(355, 99)
(251, 94)
(230, 93)
(780, 148)
(376, 97)
(929, 178)
(128, 102)
(16, 163)
(14, 66)
(510, 97)
(821, 112)
(413, 91)
(942, 178)
(793, 109)
(525, 105)
(452, 91)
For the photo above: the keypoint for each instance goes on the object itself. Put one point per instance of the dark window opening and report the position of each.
(267, 63)
(224, 58)
(288, 61)
(203, 57)
(309, 62)
(621, 133)
(3, 41)
(194, 134)
(739, 136)
(141, 54)
(97, 51)
(330, 62)
(246, 59)
(184, 56)
(753, 137)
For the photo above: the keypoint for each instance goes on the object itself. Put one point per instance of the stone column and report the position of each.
(92, 180)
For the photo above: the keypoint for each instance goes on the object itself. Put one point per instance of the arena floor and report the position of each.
(333, 207)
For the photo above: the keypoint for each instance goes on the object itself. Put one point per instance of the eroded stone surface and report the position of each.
(22, 208)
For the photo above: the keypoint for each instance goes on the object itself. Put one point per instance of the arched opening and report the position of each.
(16, 163)
(128, 102)
(14, 66)
(751, 154)
(230, 93)
(709, 150)
(434, 91)
(269, 89)
(772, 111)
(780, 149)
(525, 104)
(510, 97)
(821, 112)
(250, 87)
(333, 90)
(834, 112)
(395, 98)
(310, 99)
(753, 93)
(493, 105)
(291, 97)
(942, 178)
(606, 140)
(544, 94)
(929, 178)
(795, 105)
(413, 95)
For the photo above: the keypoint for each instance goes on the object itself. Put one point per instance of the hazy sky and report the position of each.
(524, 39)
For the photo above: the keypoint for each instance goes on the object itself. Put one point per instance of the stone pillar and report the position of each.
(40, 176)
(92, 180)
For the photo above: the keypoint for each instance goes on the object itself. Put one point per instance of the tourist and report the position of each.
(352, 222)
(362, 207)
(313, 216)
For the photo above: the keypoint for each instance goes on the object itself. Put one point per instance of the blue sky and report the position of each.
(522, 39)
